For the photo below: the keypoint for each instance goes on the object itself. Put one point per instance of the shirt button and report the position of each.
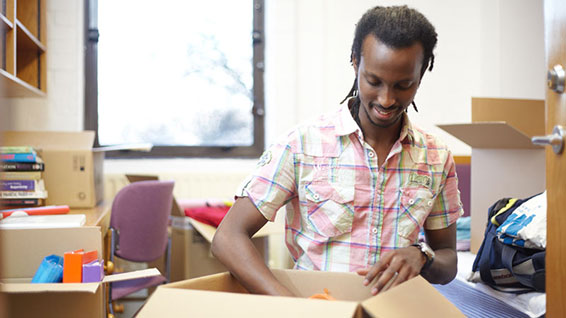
(371, 154)
(429, 203)
(316, 196)
(374, 230)
(411, 201)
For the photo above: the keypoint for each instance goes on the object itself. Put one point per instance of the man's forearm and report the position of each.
(239, 255)
(444, 268)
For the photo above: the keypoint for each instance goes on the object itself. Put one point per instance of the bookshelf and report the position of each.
(23, 71)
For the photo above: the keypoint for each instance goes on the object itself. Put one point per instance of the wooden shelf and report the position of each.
(28, 40)
(12, 86)
(5, 22)
(23, 49)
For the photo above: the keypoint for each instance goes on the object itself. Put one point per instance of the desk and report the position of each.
(97, 216)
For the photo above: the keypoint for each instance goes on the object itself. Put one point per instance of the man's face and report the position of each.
(388, 79)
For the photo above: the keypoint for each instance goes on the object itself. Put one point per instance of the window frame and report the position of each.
(258, 110)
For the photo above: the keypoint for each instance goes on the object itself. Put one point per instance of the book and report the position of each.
(21, 203)
(21, 185)
(18, 157)
(43, 210)
(43, 221)
(16, 149)
(20, 175)
(37, 194)
(23, 166)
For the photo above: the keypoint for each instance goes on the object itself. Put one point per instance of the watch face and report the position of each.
(427, 250)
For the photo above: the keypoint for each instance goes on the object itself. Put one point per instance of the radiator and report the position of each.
(188, 185)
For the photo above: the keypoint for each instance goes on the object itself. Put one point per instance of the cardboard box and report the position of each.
(73, 169)
(190, 248)
(23, 251)
(504, 161)
(221, 295)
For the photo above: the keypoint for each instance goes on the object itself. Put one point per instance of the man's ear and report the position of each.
(355, 64)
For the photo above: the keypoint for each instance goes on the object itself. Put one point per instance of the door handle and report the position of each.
(556, 140)
(555, 79)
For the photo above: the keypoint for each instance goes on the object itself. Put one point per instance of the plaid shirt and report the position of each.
(343, 211)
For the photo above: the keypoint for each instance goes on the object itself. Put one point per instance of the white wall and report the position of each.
(488, 48)
(485, 48)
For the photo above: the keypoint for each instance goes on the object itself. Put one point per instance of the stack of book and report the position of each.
(21, 177)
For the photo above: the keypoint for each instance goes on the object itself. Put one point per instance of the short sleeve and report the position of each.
(272, 183)
(447, 206)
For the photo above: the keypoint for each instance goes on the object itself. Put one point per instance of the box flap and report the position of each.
(171, 302)
(56, 140)
(53, 288)
(340, 285)
(526, 115)
(413, 298)
(144, 273)
(492, 135)
(24, 285)
(208, 231)
(215, 282)
(22, 251)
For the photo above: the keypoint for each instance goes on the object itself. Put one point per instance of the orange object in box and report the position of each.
(325, 296)
(90, 256)
(73, 266)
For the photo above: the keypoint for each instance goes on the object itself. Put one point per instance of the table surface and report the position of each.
(97, 216)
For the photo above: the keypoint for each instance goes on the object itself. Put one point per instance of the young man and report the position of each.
(359, 183)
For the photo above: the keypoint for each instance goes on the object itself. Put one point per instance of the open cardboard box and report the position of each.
(221, 295)
(504, 162)
(73, 168)
(23, 251)
(190, 247)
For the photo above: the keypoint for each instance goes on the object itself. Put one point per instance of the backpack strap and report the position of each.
(485, 266)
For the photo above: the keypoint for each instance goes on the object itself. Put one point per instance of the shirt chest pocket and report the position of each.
(416, 204)
(329, 208)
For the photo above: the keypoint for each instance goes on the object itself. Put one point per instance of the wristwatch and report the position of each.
(428, 253)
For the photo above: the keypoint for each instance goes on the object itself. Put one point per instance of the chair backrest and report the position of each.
(140, 214)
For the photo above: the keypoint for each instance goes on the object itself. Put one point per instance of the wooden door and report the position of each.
(555, 42)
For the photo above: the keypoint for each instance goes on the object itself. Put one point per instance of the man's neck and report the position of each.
(380, 137)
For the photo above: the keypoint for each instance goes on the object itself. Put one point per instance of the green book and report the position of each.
(16, 149)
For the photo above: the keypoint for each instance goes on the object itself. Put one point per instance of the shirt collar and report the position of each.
(346, 124)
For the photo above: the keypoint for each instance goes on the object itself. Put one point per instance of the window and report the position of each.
(185, 76)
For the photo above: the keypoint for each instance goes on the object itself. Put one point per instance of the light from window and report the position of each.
(175, 73)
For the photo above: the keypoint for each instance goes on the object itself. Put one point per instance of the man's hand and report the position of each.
(402, 264)
(393, 268)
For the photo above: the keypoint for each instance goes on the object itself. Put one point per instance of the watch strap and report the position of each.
(428, 258)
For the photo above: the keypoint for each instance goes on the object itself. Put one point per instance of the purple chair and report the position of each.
(138, 231)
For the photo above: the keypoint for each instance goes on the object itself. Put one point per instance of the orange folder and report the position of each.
(73, 266)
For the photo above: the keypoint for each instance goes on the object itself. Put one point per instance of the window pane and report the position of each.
(175, 73)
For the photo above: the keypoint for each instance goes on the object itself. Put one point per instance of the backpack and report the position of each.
(505, 267)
